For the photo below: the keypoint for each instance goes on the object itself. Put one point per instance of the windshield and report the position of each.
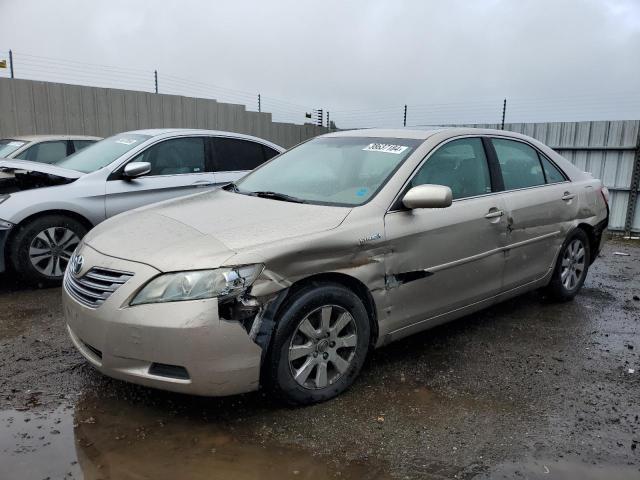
(345, 171)
(102, 153)
(8, 146)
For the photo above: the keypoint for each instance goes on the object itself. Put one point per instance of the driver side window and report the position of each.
(175, 156)
(460, 165)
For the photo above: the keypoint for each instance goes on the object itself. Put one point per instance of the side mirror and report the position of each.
(428, 196)
(136, 169)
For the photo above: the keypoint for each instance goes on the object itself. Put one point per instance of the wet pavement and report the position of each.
(527, 389)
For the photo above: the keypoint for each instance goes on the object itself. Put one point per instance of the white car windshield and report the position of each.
(344, 171)
(102, 153)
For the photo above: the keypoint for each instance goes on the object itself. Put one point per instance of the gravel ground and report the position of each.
(526, 389)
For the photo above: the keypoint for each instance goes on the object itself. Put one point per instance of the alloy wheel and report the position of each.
(322, 347)
(573, 264)
(51, 249)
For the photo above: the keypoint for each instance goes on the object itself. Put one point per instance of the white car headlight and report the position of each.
(198, 284)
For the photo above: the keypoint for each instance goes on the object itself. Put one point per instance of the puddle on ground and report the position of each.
(37, 444)
(113, 439)
(563, 470)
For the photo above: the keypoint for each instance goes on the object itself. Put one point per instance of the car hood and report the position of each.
(46, 168)
(206, 230)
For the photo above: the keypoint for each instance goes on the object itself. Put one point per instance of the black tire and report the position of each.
(309, 301)
(19, 252)
(558, 289)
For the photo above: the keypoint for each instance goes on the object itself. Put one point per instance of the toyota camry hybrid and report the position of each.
(288, 277)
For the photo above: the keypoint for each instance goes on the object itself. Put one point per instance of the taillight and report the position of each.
(605, 194)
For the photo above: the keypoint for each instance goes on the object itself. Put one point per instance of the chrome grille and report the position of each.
(95, 286)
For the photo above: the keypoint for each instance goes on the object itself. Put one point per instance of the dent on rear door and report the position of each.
(538, 221)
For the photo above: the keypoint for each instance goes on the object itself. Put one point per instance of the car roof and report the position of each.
(154, 132)
(423, 133)
(41, 138)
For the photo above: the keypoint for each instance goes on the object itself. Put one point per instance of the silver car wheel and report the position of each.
(322, 347)
(573, 264)
(51, 250)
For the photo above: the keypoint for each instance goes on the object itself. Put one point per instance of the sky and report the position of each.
(449, 61)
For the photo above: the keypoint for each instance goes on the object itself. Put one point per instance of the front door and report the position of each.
(445, 259)
(178, 167)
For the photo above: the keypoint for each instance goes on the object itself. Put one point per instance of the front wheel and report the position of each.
(320, 344)
(43, 247)
(571, 267)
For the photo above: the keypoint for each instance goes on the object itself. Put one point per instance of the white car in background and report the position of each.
(45, 210)
(44, 148)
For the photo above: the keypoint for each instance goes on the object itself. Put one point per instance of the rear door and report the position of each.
(445, 259)
(179, 166)
(540, 204)
(233, 158)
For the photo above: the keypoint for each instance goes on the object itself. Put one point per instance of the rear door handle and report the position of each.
(494, 214)
(568, 196)
(203, 183)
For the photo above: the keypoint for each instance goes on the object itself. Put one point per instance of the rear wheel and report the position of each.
(320, 344)
(571, 267)
(42, 248)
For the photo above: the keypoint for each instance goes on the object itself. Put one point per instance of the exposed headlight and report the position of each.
(198, 284)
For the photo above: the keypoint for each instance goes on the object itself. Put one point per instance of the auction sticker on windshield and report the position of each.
(126, 141)
(385, 148)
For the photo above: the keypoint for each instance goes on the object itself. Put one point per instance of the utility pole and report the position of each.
(155, 77)
(259, 105)
(328, 121)
(504, 111)
(11, 63)
(405, 116)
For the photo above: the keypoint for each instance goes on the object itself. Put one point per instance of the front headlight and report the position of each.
(198, 284)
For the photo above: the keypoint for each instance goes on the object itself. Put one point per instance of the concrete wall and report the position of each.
(34, 107)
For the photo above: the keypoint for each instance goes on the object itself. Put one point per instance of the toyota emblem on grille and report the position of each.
(76, 264)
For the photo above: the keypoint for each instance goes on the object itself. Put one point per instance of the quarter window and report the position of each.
(232, 154)
(175, 156)
(519, 164)
(551, 171)
(460, 165)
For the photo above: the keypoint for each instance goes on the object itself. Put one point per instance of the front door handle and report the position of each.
(494, 214)
(568, 196)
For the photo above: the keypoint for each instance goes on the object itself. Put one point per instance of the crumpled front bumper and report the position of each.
(180, 346)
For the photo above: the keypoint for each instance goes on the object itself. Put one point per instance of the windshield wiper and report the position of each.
(278, 196)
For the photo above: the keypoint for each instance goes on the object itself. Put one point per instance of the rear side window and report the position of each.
(45, 152)
(80, 144)
(460, 165)
(519, 164)
(551, 171)
(233, 154)
(175, 156)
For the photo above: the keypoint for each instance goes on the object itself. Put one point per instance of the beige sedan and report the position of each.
(345, 243)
